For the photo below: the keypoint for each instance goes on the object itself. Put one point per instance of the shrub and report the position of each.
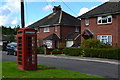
(62, 45)
(107, 45)
(91, 43)
(109, 53)
(56, 50)
(72, 51)
(40, 50)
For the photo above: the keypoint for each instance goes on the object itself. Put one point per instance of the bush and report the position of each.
(109, 53)
(107, 45)
(56, 50)
(72, 51)
(62, 45)
(40, 50)
(91, 43)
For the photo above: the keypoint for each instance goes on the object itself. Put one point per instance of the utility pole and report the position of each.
(22, 14)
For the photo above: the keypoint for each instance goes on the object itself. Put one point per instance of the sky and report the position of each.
(38, 9)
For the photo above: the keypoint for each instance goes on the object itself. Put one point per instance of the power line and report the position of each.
(48, 5)
(69, 7)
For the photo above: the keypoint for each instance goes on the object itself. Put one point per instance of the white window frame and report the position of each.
(101, 18)
(77, 29)
(105, 38)
(37, 29)
(46, 29)
(55, 28)
(109, 17)
(48, 43)
(86, 21)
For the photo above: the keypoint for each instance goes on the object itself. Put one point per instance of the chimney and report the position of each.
(56, 8)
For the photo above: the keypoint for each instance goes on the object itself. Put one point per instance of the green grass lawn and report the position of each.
(10, 71)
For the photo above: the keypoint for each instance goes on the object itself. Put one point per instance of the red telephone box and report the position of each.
(27, 49)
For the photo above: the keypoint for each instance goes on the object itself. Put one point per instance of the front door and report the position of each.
(56, 44)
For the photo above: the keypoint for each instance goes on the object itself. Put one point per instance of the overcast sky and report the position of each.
(37, 9)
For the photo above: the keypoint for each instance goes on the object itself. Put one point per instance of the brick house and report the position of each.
(102, 23)
(56, 28)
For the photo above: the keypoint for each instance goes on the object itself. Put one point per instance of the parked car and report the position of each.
(11, 48)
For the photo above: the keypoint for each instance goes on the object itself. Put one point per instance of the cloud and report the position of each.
(84, 10)
(27, 24)
(15, 21)
(7, 12)
(48, 7)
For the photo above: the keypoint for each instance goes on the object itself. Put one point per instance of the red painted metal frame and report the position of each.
(27, 51)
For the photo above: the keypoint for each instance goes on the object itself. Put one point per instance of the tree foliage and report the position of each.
(9, 30)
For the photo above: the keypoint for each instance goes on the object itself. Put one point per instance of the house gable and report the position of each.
(103, 22)
(107, 8)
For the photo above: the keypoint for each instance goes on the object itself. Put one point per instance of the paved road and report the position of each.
(88, 67)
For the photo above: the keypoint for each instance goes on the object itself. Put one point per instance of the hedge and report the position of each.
(72, 51)
(109, 53)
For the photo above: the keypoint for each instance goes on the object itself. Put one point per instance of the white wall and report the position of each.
(1, 43)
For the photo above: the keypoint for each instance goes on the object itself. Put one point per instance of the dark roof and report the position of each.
(105, 9)
(52, 37)
(88, 32)
(72, 36)
(57, 18)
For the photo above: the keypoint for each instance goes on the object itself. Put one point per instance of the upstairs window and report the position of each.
(76, 29)
(87, 22)
(55, 29)
(104, 20)
(46, 29)
(37, 29)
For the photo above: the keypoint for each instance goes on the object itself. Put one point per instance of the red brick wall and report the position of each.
(102, 29)
(41, 35)
(65, 30)
(62, 32)
(118, 30)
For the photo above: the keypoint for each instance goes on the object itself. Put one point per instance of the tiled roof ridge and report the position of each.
(60, 17)
(97, 11)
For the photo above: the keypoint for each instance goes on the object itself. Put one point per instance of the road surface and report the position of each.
(101, 69)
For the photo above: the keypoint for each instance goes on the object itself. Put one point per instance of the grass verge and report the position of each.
(10, 72)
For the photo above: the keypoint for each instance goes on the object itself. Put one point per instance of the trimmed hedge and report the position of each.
(109, 53)
(40, 50)
(72, 51)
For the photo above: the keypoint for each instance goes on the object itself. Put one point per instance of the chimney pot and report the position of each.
(56, 8)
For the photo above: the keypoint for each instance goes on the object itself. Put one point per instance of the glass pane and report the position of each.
(109, 20)
(20, 63)
(20, 52)
(19, 37)
(104, 21)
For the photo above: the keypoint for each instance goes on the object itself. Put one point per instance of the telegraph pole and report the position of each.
(22, 14)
